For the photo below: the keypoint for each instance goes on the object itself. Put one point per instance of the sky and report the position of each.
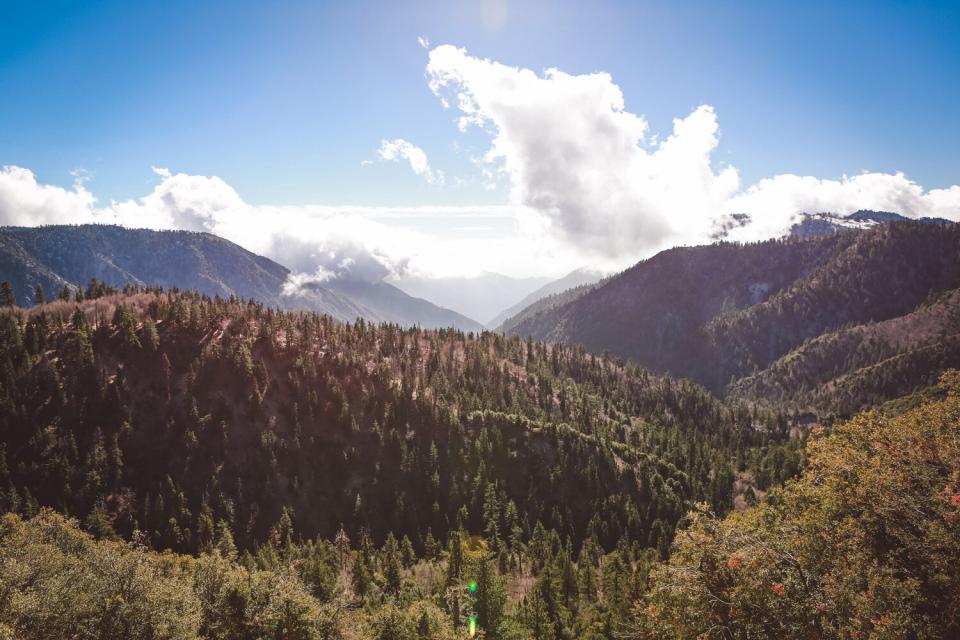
(386, 139)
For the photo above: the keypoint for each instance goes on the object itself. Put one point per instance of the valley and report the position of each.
(358, 473)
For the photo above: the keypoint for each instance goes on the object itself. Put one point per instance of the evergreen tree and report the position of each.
(7, 297)
(392, 568)
(489, 599)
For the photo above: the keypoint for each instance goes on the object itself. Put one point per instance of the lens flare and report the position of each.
(473, 626)
(472, 586)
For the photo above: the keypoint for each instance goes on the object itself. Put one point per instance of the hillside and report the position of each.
(57, 256)
(863, 545)
(235, 411)
(219, 426)
(723, 312)
(579, 279)
(864, 365)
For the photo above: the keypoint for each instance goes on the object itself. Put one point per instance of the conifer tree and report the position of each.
(7, 297)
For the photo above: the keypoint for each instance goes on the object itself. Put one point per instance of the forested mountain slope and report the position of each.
(185, 411)
(864, 365)
(723, 312)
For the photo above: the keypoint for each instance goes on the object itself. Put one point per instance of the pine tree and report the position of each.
(537, 618)
(342, 542)
(7, 297)
(392, 569)
(489, 599)
(407, 553)
(455, 559)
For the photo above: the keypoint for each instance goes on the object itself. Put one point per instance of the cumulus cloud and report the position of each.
(572, 152)
(25, 202)
(180, 201)
(774, 203)
(400, 149)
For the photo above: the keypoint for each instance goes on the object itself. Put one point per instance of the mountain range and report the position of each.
(282, 474)
(829, 321)
(842, 313)
(818, 224)
(57, 256)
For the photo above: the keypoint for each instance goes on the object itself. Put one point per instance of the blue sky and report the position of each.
(326, 135)
(285, 100)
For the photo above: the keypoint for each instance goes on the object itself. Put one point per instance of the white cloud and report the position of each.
(400, 149)
(573, 153)
(423, 41)
(316, 242)
(24, 201)
(775, 202)
(588, 184)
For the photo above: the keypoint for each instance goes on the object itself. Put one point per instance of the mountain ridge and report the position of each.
(69, 255)
(577, 278)
(718, 313)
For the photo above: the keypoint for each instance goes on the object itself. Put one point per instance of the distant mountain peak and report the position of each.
(813, 225)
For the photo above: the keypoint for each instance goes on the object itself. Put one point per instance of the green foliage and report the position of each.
(237, 604)
(865, 544)
(331, 477)
(489, 599)
(221, 410)
(56, 582)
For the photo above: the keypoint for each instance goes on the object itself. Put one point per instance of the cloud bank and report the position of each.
(26, 202)
(587, 183)
(317, 243)
(571, 151)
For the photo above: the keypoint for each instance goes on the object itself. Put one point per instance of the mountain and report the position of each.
(864, 364)
(479, 297)
(389, 303)
(575, 279)
(545, 304)
(58, 256)
(725, 312)
(818, 224)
